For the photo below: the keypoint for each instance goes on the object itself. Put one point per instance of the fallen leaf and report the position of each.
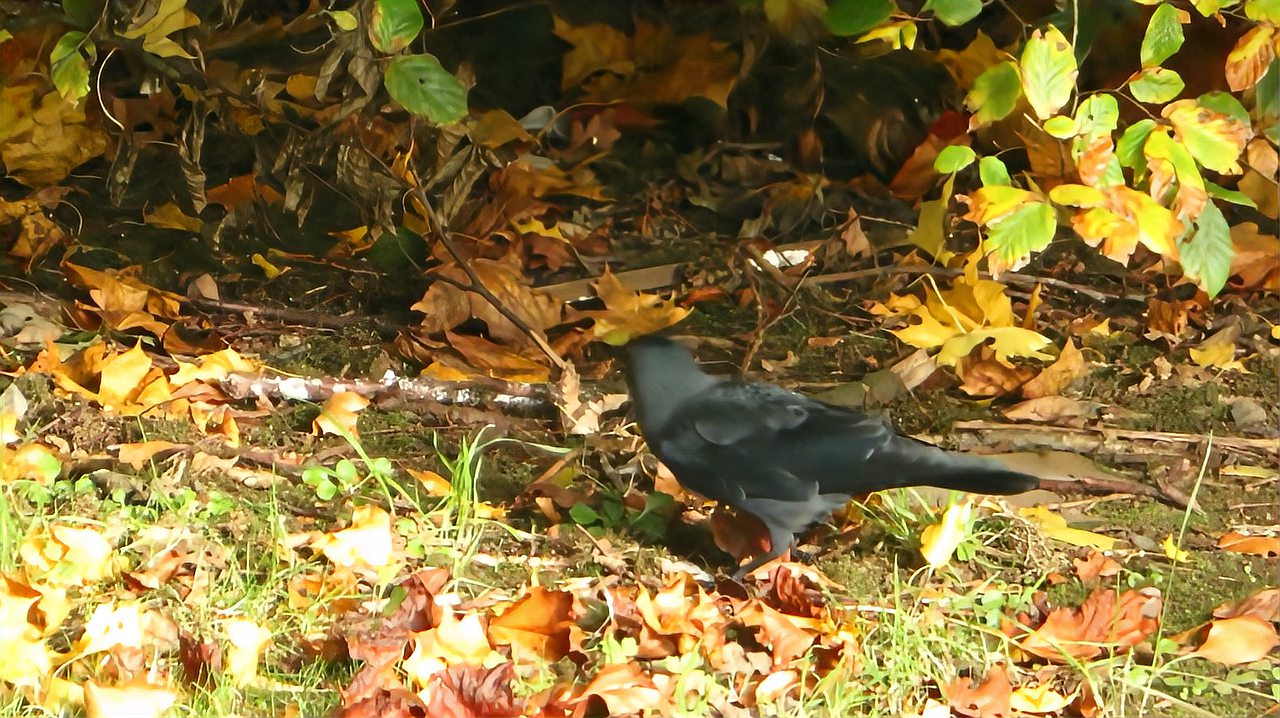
(629, 314)
(1103, 622)
(1253, 545)
(988, 699)
(939, 541)
(1053, 526)
(1062, 373)
(1264, 604)
(1052, 410)
(1243, 639)
(1039, 699)
(1173, 552)
(537, 624)
(340, 414)
(1096, 565)
(136, 700)
(245, 642)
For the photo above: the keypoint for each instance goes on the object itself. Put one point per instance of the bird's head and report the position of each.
(661, 374)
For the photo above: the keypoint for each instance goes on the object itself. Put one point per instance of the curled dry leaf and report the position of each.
(1095, 566)
(1059, 375)
(1264, 604)
(1104, 621)
(1053, 410)
(537, 624)
(623, 687)
(1243, 639)
(988, 699)
(339, 414)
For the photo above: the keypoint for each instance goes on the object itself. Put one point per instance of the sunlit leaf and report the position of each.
(1243, 639)
(1163, 36)
(1171, 550)
(69, 67)
(993, 172)
(1248, 61)
(1216, 140)
(954, 158)
(938, 542)
(1022, 232)
(994, 95)
(394, 24)
(1048, 69)
(1156, 85)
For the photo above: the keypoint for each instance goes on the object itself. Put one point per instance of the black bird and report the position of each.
(785, 458)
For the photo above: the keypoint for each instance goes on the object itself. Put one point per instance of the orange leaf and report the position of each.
(538, 622)
(623, 687)
(989, 699)
(1102, 621)
(1253, 545)
(1243, 639)
(1096, 565)
(1264, 604)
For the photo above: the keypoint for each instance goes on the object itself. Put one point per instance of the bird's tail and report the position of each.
(930, 466)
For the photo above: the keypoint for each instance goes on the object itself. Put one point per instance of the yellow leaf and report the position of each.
(65, 555)
(1039, 699)
(112, 626)
(245, 641)
(366, 543)
(1178, 555)
(939, 541)
(629, 314)
(1219, 350)
(1005, 341)
(138, 699)
(989, 204)
(170, 17)
(340, 414)
(1053, 526)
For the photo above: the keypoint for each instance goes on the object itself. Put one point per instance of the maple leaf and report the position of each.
(629, 314)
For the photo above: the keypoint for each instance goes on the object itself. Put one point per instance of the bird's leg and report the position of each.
(779, 542)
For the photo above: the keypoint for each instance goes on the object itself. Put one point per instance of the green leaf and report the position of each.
(1263, 11)
(1129, 148)
(954, 158)
(1060, 126)
(583, 514)
(1206, 255)
(854, 17)
(83, 13)
(995, 93)
(1229, 195)
(69, 68)
(1213, 138)
(1225, 103)
(1268, 98)
(1163, 38)
(1027, 229)
(1097, 114)
(422, 86)
(954, 12)
(1209, 8)
(1048, 68)
(993, 172)
(395, 24)
(1156, 86)
(346, 472)
(344, 19)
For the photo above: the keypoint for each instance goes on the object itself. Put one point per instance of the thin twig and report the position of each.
(477, 285)
(1014, 278)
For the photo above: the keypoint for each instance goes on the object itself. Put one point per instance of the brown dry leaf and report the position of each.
(1168, 320)
(1101, 623)
(1095, 566)
(498, 361)
(124, 302)
(170, 216)
(469, 691)
(915, 369)
(1243, 639)
(45, 138)
(989, 699)
(1256, 261)
(623, 687)
(537, 624)
(985, 376)
(339, 415)
(1062, 373)
(629, 314)
(242, 190)
(1264, 604)
(447, 306)
(788, 637)
(1253, 545)
(738, 534)
(1053, 410)
(139, 454)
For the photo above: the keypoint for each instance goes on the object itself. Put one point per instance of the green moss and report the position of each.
(1186, 409)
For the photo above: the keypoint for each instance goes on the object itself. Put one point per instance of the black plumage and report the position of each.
(785, 458)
